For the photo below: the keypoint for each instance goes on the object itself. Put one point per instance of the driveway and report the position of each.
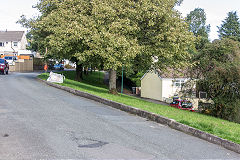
(41, 122)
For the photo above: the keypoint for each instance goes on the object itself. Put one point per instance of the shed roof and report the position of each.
(8, 36)
(169, 73)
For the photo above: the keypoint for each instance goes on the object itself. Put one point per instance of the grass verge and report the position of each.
(93, 84)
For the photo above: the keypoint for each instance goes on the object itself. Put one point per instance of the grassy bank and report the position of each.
(93, 83)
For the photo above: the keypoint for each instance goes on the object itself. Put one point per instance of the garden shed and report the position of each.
(162, 86)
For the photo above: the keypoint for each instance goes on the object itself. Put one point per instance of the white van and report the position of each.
(10, 59)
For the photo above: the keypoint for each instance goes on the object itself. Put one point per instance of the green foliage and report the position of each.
(115, 31)
(219, 72)
(110, 34)
(136, 78)
(94, 78)
(218, 127)
(38, 61)
(163, 34)
(197, 25)
(230, 27)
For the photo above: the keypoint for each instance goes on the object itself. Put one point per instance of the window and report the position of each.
(202, 94)
(8, 58)
(15, 44)
(178, 83)
(1, 44)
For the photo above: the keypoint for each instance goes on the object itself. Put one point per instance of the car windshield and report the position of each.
(8, 58)
(186, 104)
(1, 60)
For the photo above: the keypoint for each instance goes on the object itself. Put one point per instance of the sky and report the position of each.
(11, 10)
(216, 11)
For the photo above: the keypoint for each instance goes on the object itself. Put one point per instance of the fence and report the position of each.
(23, 65)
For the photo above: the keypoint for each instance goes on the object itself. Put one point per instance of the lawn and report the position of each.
(93, 84)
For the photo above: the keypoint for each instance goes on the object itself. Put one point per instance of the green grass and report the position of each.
(93, 83)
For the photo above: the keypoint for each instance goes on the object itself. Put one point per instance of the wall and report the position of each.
(23, 43)
(169, 90)
(10, 48)
(151, 86)
(7, 47)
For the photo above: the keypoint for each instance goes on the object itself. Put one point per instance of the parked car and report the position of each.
(58, 66)
(4, 66)
(51, 66)
(182, 104)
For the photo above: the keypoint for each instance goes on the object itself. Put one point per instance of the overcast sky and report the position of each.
(216, 11)
(11, 10)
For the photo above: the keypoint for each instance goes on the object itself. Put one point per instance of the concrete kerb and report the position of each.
(153, 117)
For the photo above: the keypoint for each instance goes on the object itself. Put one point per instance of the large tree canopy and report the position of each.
(114, 32)
(230, 27)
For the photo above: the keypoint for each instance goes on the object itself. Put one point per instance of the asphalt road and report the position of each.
(41, 122)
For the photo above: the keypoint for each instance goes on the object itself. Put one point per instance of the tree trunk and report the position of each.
(85, 70)
(112, 81)
(79, 72)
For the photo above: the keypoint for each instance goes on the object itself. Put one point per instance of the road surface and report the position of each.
(41, 122)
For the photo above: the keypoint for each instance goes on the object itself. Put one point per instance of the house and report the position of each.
(13, 48)
(161, 86)
(12, 42)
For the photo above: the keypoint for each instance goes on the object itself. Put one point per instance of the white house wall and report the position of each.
(23, 43)
(9, 46)
(151, 86)
(169, 90)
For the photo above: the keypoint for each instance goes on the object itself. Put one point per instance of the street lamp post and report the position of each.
(122, 80)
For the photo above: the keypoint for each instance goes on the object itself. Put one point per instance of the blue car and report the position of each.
(58, 66)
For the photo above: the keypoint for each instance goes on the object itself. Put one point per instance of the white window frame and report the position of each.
(178, 83)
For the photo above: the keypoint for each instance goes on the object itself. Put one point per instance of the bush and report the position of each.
(219, 70)
(136, 78)
(38, 63)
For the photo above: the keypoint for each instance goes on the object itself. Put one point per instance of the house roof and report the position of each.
(8, 36)
(169, 73)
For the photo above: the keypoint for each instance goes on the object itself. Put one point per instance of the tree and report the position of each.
(163, 34)
(116, 32)
(51, 31)
(230, 27)
(218, 71)
(197, 25)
